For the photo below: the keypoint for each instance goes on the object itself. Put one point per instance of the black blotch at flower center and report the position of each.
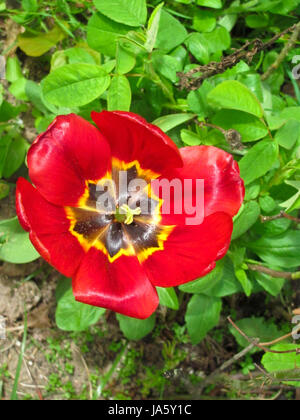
(109, 232)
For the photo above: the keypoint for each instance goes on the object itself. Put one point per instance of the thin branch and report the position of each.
(274, 273)
(281, 215)
(289, 45)
(253, 343)
(35, 385)
(284, 337)
(263, 346)
(233, 137)
(205, 124)
(227, 364)
(189, 82)
(280, 375)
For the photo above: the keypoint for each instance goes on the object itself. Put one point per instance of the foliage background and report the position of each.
(77, 56)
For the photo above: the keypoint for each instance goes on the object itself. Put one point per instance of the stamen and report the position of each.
(130, 213)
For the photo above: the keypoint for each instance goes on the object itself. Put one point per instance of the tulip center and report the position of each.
(125, 214)
(102, 221)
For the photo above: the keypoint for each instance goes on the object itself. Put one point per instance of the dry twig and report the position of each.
(281, 215)
(264, 346)
(252, 343)
(274, 273)
(287, 48)
(188, 80)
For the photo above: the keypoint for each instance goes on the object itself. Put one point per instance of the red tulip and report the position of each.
(117, 258)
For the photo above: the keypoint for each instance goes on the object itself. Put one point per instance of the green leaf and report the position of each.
(242, 277)
(218, 40)
(171, 32)
(255, 328)
(58, 59)
(153, 26)
(250, 127)
(204, 21)
(273, 227)
(245, 219)
(42, 123)
(190, 138)
(5, 142)
(75, 85)
(13, 69)
(206, 283)
(79, 55)
(15, 156)
(214, 4)
(30, 5)
(34, 93)
(136, 329)
(267, 204)
(259, 160)
(103, 33)
(238, 256)
(35, 46)
(132, 13)
(4, 191)
(228, 285)
(252, 81)
(198, 45)
(125, 59)
(283, 7)
(71, 315)
(252, 191)
(119, 94)
(270, 284)
(288, 134)
(205, 46)
(292, 203)
(276, 78)
(167, 66)
(167, 122)
(168, 297)
(295, 184)
(283, 362)
(202, 315)
(18, 89)
(290, 113)
(197, 100)
(232, 94)
(228, 21)
(15, 246)
(257, 21)
(279, 251)
(109, 66)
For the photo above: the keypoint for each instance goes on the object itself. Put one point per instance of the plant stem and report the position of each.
(281, 215)
(274, 273)
(289, 45)
(14, 396)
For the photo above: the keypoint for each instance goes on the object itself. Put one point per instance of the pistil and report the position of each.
(125, 214)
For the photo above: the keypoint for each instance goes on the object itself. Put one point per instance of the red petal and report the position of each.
(224, 189)
(190, 251)
(133, 138)
(49, 229)
(68, 153)
(121, 286)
